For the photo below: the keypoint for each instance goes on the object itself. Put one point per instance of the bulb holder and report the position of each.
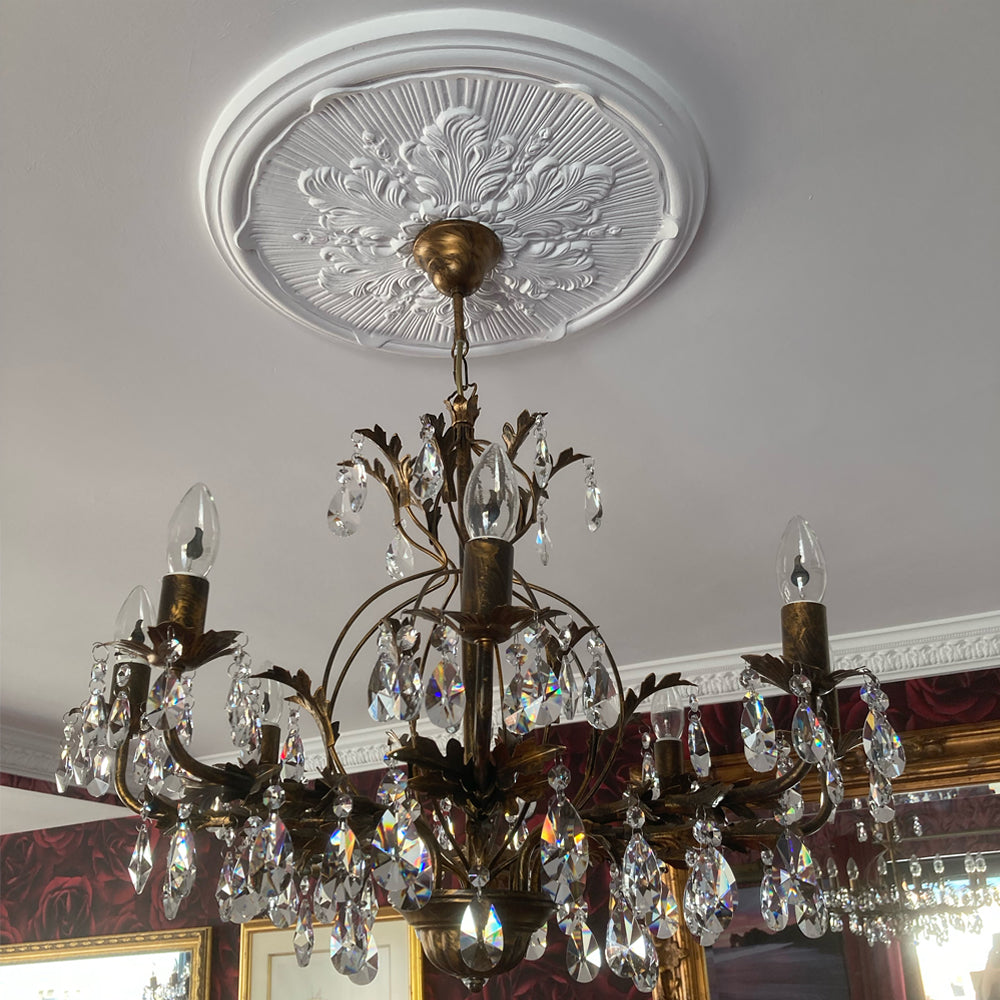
(184, 601)
(668, 758)
(805, 639)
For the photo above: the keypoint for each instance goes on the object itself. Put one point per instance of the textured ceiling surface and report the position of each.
(828, 346)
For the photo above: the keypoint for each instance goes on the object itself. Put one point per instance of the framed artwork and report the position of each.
(269, 971)
(118, 967)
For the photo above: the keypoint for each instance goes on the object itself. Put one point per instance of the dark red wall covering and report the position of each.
(73, 882)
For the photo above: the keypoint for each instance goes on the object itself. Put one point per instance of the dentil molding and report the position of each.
(950, 645)
(323, 170)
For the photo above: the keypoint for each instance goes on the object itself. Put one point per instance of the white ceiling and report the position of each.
(827, 347)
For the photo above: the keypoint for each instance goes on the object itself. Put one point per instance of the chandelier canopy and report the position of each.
(486, 840)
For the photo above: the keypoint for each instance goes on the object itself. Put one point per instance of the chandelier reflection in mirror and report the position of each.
(486, 843)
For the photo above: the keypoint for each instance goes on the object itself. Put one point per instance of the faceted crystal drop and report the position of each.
(171, 900)
(224, 888)
(350, 939)
(570, 684)
(480, 939)
(665, 919)
(175, 701)
(620, 928)
(543, 462)
(283, 908)
(491, 502)
(564, 848)
(119, 720)
(709, 896)
(444, 695)
(543, 543)
(644, 960)
(141, 863)
(407, 690)
(812, 917)
(773, 902)
(594, 508)
(583, 953)
(399, 556)
(547, 680)
(341, 519)
(381, 688)
(99, 775)
(794, 867)
(834, 782)
(356, 482)
(428, 471)
(293, 757)
(181, 865)
(95, 720)
(369, 970)
(402, 863)
(154, 700)
(880, 798)
(346, 864)
(537, 944)
(883, 746)
(790, 806)
(304, 938)
(757, 729)
(701, 756)
(600, 696)
(640, 875)
(272, 857)
(809, 735)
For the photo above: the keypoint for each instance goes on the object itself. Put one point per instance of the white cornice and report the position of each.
(926, 649)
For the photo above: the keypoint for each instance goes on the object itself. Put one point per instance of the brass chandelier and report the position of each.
(486, 843)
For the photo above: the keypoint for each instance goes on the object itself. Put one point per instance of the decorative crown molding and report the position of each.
(321, 173)
(951, 645)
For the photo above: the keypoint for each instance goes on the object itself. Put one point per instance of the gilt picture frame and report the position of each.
(269, 971)
(108, 967)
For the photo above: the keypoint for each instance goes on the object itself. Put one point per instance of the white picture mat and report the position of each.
(273, 973)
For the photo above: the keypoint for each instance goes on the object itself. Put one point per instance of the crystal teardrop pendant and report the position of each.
(407, 690)
(600, 696)
(709, 895)
(491, 500)
(757, 730)
(119, 720)
(882, 744)
(356, 484)
(341, 518)
(480, 938)
(381, 688)
(444, 695)
(181, 862)
(880, 798)
(640, 877)
(537, 944)
(583, 953)
(701, 756)
(593, 508)
(399, 556)
(665, 918)
(428, 469)
(141, 863)
(773, 902)
(809, 736)
(304, 937)
(543, 543)
(543, 460)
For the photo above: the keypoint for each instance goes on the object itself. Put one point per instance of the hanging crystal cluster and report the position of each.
(915, 898)
(488, 833)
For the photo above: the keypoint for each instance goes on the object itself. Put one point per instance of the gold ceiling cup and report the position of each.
(457, 255)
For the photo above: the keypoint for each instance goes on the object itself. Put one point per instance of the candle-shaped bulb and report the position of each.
(801, 566)
(666, 714)
(193, 534)
(135, 617)
(491, 500)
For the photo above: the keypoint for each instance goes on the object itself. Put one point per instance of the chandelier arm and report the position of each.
(162, 810)
(440, 555)
(360, 611)
(426, 589)
(491, 864)
(825, 811)
(762, 791)
(204, 772)
(451, 837)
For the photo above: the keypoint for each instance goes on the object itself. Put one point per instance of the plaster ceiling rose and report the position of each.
(325, 168)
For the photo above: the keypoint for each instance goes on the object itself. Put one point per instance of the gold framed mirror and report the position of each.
(112, 967)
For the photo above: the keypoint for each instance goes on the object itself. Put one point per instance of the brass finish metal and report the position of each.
(487, 585)
(438, 928)
(805, 639)
(683, 969)
(270, 744)
(457, 254)
(184, 601)
(668, 759)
